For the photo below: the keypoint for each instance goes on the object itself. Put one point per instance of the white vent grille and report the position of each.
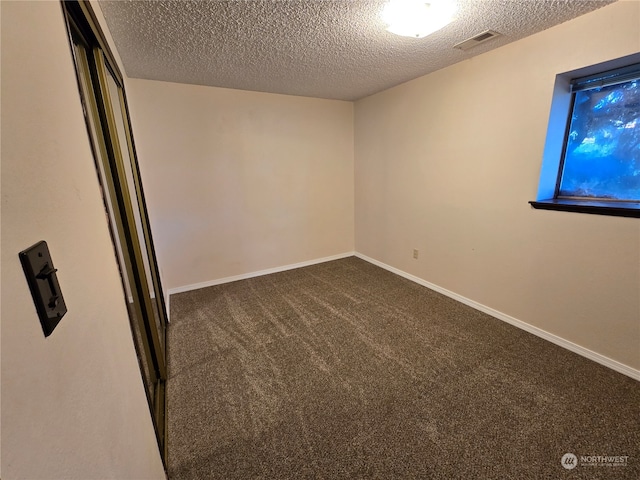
(477, 40)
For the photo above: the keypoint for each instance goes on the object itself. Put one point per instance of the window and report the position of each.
(597, 167)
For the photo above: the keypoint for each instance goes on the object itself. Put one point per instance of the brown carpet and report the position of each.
(344, 370)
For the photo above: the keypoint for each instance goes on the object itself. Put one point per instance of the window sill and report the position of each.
(617, 209)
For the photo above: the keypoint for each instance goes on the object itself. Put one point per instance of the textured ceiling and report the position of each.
(318, 48)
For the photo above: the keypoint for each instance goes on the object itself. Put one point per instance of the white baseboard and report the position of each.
(596, 357)
(259, 273)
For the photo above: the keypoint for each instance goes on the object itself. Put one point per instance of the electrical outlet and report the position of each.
(415, 253)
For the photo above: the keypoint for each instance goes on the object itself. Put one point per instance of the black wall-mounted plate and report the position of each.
(43, 283)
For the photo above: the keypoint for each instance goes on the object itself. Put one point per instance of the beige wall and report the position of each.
(237, 182)
(446, 164)
(73, 404)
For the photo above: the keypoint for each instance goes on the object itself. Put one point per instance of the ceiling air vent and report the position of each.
(477, 40)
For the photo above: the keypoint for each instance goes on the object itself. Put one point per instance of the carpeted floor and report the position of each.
(344, 370)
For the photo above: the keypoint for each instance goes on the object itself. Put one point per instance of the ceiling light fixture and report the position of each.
(418, 18)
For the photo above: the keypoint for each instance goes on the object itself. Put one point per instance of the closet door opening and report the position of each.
(104, 102)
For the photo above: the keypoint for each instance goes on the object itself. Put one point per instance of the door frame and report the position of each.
(94, 62)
